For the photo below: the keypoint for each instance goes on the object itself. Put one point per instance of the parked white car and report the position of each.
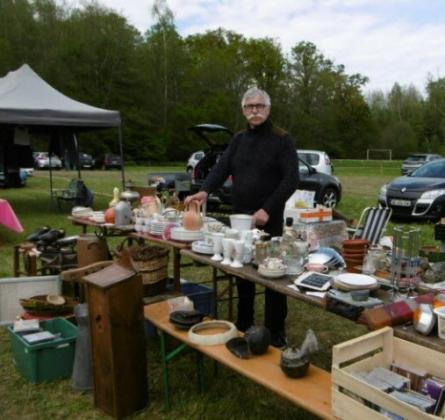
(317, 159)
(43, 161)
(194, 159)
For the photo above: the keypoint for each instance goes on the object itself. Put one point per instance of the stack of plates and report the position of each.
(326, 256)
(183, 235)
(202, 247)
(157, 228)
(352, 281)
(82, 212)
(272, 273)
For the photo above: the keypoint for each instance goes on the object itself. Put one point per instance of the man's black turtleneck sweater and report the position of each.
(264, 166)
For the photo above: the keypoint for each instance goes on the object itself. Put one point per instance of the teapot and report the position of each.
(192, 219)
(150, 205)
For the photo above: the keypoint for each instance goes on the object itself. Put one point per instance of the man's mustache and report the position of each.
(249, 117)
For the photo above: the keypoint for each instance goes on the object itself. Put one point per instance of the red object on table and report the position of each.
(8, 217)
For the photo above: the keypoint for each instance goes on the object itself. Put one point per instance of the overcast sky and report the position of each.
(387, 40)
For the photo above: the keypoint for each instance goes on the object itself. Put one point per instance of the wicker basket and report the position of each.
(154, 282)
(152, 264)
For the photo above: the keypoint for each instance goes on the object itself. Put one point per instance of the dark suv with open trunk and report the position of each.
(327, 188)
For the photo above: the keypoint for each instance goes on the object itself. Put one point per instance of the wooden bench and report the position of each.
(313, 392)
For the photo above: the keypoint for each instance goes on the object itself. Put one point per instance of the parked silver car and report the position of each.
(317, 159)
(42, 160)
(416, 160)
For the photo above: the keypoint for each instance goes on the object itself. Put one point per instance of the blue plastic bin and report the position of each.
(202, 297)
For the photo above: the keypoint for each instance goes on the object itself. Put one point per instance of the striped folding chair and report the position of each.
(372, 224)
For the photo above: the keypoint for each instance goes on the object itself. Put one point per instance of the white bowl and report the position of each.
(273, 274)
(241, 221)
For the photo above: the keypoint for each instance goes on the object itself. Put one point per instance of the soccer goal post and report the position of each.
(379, 154)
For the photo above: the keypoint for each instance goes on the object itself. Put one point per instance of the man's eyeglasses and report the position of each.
(250, 107)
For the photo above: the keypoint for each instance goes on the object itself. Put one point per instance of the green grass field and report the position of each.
(228, 395)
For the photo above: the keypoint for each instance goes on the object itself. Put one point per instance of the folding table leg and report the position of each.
(215, 291)
(164, 362)
(200, 370)
(230, 298)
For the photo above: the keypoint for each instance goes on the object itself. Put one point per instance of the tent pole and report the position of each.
(122, 157)
(76, 147)
(50, 176)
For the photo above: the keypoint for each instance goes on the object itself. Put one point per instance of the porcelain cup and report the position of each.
(217, 246)
(239, 254)
(227, 245)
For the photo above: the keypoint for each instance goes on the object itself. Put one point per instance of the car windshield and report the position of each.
(310, 158)
(416, 158)
(435, 169)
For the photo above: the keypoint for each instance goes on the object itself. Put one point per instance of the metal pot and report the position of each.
(130, 196)
(293, 363)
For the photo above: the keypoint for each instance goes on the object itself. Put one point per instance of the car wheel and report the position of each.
(329, 197)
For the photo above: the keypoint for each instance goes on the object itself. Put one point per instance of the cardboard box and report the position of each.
(316, 215)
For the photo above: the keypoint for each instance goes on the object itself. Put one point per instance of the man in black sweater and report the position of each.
(263, 163)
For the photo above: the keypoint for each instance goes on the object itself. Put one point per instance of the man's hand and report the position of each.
(200, 197)
(260, 218)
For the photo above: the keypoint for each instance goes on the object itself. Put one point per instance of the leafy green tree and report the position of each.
(329, 110)
(434, 115)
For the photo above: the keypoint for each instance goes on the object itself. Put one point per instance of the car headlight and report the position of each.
(383, 190)
(432, 195)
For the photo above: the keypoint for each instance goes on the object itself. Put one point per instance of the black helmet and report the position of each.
(258, 338)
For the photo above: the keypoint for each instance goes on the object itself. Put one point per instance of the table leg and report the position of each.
(215, 291)
(16, 261)
(230, 298)
(177, 269)
(164, 362)
(200, 370)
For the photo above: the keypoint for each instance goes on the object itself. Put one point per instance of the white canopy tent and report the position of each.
(26, 100)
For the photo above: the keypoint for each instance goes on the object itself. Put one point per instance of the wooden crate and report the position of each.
(377, 349)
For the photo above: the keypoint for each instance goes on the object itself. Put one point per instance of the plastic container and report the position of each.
(49, 360)
(440, 312)
(180, 303)
(202, 297)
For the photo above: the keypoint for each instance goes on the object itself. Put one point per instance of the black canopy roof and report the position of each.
(26, 99)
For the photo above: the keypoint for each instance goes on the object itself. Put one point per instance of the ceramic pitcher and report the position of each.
(192, 219)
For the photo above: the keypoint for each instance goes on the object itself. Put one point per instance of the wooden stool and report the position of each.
(24, 252)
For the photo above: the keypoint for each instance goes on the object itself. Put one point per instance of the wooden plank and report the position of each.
(360, 346)
(345, 407)
(313, 392)
(407, 332)
(374, 395)
(413, 354)
(248, 272)
(164, 242)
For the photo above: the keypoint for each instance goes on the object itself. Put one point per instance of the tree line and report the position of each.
(163, 83)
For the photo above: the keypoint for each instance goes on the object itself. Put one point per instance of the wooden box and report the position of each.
(377, 349)
(115, 303)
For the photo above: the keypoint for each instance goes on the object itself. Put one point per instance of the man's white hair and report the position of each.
(254, 91)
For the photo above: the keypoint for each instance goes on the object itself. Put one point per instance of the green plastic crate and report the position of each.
(49, 360)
